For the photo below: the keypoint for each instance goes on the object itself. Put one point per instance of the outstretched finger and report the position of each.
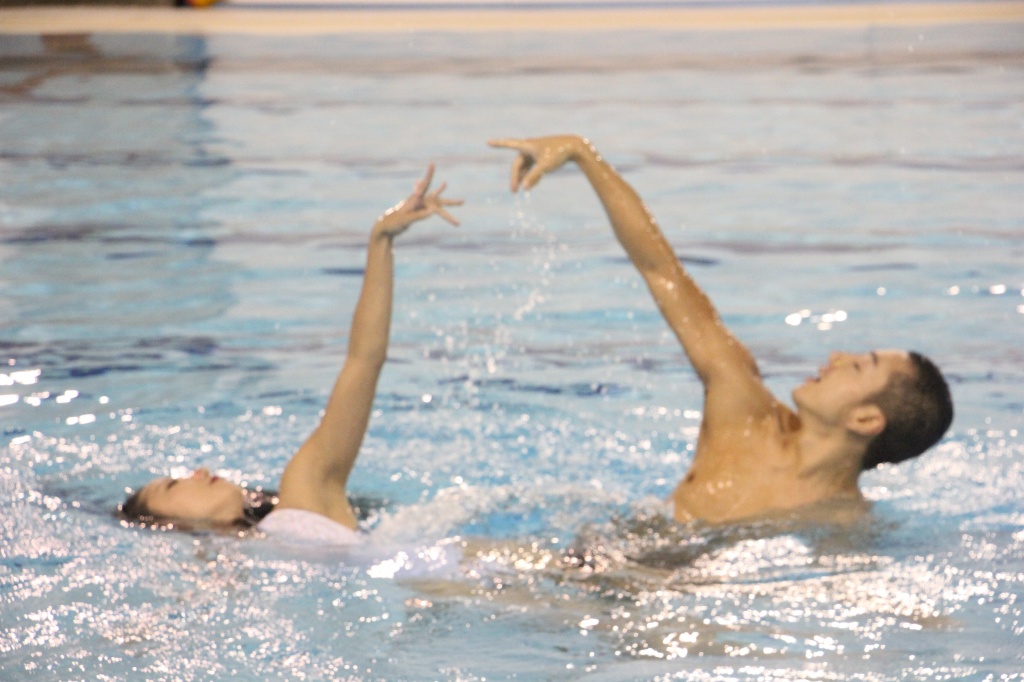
(520, 165)
(532, 177)
(436, 199)
(437, 192)
(439, 210)
(423, 185)
(508, 143)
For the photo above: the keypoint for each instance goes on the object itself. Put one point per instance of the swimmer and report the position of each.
(755, 456)
(311, 503)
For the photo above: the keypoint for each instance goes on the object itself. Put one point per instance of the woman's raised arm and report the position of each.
(316, 477)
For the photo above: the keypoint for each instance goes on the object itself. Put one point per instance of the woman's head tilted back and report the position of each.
(199, 500)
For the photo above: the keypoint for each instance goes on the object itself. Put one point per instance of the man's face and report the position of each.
(847, 381)
(199, 497)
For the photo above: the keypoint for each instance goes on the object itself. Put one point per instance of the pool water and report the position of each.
(182, 231)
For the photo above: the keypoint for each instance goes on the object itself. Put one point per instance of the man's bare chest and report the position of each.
(738, 475)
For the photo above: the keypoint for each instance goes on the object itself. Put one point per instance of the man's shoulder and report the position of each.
(774, 426)
(741, 402)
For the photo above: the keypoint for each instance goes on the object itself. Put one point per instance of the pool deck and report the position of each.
(253, 17)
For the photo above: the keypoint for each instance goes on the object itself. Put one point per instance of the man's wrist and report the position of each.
(584, 152)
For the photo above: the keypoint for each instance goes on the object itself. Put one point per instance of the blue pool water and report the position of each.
(182, 223)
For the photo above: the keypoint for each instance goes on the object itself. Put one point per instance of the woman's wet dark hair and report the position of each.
(259, 503)
(133, 510)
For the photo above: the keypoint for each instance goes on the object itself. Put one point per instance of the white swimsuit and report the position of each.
(298, 526)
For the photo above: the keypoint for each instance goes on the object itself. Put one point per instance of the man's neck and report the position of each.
(829, 456)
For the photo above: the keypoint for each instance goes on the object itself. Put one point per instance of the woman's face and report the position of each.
(199, 497)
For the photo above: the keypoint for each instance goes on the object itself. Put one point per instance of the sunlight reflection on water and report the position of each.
(534, 410)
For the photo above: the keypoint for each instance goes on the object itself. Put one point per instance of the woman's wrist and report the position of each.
(381, 231)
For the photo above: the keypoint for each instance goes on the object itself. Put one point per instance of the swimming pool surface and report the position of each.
(182, 225)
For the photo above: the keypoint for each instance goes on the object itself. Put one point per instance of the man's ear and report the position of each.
(866, 420)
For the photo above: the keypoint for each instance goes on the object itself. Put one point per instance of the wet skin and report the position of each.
(848, 380)
(771, 461)
(754, 455)
(198, 496)
(316, 477)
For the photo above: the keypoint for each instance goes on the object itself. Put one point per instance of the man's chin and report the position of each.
(801, 390)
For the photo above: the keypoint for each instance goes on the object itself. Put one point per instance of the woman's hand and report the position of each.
(417, 206)
(538, 156)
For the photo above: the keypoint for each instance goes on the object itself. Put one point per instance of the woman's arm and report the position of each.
(316, 477)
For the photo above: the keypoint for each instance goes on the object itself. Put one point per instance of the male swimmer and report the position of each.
(754, 455)
(311, 504)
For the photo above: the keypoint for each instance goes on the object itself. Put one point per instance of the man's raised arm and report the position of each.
(717, 356)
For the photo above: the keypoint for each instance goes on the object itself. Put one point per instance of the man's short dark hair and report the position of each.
(918, 409)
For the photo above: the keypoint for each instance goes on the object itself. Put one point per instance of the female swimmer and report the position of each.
(311, 504)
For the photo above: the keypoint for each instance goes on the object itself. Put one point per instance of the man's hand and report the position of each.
(539, 156)
(417, 206)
